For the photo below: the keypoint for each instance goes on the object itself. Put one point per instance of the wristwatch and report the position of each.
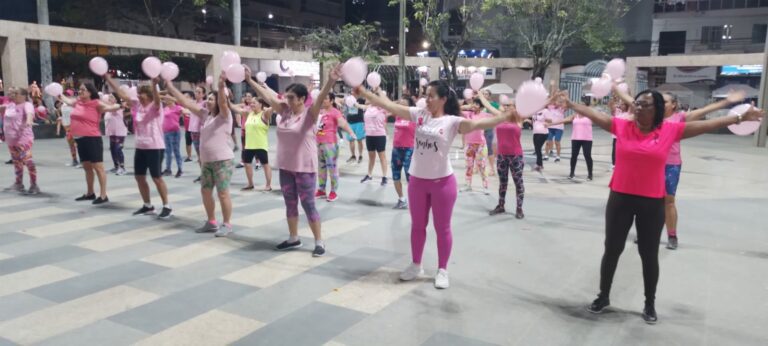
(738, 118)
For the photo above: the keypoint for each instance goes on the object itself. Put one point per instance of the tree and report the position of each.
(545, 27)
(348, 41)
(433, 17)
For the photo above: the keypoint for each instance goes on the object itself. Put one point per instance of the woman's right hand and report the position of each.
(248, 72)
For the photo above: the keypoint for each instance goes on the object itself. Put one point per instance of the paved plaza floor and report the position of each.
(75, 274)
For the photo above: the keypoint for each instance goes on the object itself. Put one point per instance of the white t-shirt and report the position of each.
(66, 114)
(434, 136)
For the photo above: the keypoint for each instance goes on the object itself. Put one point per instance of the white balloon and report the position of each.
(476, 81)
(421, 103)
(531, 97)
(350, 101)
(373, 79)
(261, 77)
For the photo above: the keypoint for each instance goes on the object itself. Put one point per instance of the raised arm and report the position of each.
(601, 119)
(68, 100)
(335, 74)
(567, 120)
(696, 128)
(183, 100)
(627, 99)
(345, 126)
(399, 110)
(491, 109)
(223, 101)
(105, 107)
(156, 92)
(732, 98)
(264, 92)
(112, 84)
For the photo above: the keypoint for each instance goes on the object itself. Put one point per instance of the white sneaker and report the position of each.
(466, 189)
(486, 191)
(441, 279)
(412, 272)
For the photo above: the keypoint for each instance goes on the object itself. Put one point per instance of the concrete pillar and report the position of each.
(213, 68)
(762, 133)
(46, 68)
(237, 89)
(630, 76)
(14, 59)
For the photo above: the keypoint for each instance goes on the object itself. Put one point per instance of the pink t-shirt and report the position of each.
(674, 157)
(508, 137)
(405, 133)
(85, 119)
(215, 137)
(555, 114)
(582, 129)
(617, 112)
(114, 124)
(539, 119)
(171, 118)
(327, 125)
(15, 127)
(194, 122)
(147, 125)
(375, 121)
(296, 142)
(477, 136)
(640, 158)
(434, 136)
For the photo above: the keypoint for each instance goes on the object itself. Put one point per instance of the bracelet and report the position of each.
(738, 119)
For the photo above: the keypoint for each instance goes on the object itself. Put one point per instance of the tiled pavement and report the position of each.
(73, 274)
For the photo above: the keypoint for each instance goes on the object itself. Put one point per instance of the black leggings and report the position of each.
(576, 147)
(538, 141)
(513, 164)
(613, 153)
(648, 216)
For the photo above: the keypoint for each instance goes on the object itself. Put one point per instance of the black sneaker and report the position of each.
(165, 213)
(367, 178)
(384, 181)
(352, 159)
(86, 198)
(197, 180)
(167, 173)
(286, 245)
(589, 178)
(571, 176)
(360, 160)
(649, 314)
(319, 251)
(239, 165)
(672, 243)
(179, 173)
(599, 305)
(189, 159)
(144, 210)
(496, 211)
(100, 200)
(9, 162)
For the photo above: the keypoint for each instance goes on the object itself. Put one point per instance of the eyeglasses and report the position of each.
(641, 104)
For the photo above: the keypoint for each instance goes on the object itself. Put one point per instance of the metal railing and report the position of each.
(671, 6)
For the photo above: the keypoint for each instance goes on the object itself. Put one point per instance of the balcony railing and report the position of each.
(729, 46)
(672, 6)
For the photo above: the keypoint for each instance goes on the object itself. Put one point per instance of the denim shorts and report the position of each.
(672, 175)
(556, 134)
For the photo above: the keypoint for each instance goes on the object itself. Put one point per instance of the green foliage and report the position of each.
(351, 40)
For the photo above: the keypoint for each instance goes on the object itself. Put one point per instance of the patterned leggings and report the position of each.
(513, 164)
(116, 149)
(71, 143)
(476, 154)
(299, 186)
(327, 154)
(21, 155)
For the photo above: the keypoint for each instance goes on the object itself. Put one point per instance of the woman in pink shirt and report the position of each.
(18, 119)
(375, 119)
(637, 186)
(216, 156)
(172, 136)
(330, 121)
(116, 131)
(540, 133)
(194, 123)
(476, 151)
(84, 126)
(509, 157)
(432, 184)
(581, 137)
(150, 146)
(402, 152)
(297, 154)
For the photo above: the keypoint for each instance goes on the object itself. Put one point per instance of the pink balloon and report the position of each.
(235, 73)
(468, 93)
(98, 66)
(54, 89)
(151, 67)
(615, 68)
(421, 103)
(423, 82)
(209, 80)
(229, 58)
(746, 128)
(354, 71)
(531, 97)
(538, 80)
(601, 88)
(476, 81)
(41, 109)
(504, 99)
(373, 79)
(169, 71)
(350, 101)
(261, 77)
(623, 87)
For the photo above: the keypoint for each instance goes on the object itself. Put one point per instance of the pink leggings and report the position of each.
(440, 196)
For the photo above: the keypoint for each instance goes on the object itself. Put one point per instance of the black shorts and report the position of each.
(148, 159)
(261, 154)
(90, 149)
(188, 138)
(376, 143)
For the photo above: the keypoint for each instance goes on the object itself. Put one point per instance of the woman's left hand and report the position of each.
(753, 114)
(336, 72)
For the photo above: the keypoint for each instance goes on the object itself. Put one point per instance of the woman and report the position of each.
(241, 112)
(376, 139)
(65, 119)
(510, 160)
(216, 156)
(172, 136)
(116, 131)
(355, 120)
(432, 184)
(402, 152)
(86, 117)
(149, 142)
(540, 134)
(581, 137)
(297, 155)
(637, 186)
(328, 150)
(555, 112)
(18, 119)
(194, 123)
(490, 134)
(476, 148)
(256, 142)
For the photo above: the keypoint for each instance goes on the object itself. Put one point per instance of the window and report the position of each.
(712, 34)
(758, 33)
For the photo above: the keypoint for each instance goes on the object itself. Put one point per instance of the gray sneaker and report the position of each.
(15, 187)
(223, 231)
(207, 228)
(33, 190)
(401, 205)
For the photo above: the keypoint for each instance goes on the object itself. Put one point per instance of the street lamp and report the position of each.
(204, 11)
(270, 16)
(425, 44)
